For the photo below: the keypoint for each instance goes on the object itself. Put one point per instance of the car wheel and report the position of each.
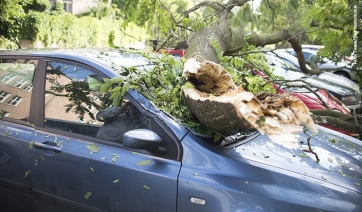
(343, 74)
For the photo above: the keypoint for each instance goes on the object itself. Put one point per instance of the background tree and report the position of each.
(285, 15)
(339, 24)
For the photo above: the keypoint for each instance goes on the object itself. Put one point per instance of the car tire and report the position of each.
(343, 74)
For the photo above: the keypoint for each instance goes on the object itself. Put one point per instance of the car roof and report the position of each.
(111, 59)
(311, 46)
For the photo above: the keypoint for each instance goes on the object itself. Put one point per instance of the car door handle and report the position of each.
(48, 146)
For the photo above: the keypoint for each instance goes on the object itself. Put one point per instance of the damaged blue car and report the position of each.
(52, 158)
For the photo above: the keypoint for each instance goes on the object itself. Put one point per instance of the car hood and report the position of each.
(330, 86)
(339, 80)
(340, 157)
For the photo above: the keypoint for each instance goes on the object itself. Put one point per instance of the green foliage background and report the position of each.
(34, 20)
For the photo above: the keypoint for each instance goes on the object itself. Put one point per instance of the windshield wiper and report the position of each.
(239, 139)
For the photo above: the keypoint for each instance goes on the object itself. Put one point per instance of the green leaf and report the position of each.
(87, 195)
(116, 181)
(217, 137)
(117, 80)
(31, 143)
(93, 147)
(303, 154)
(27, 173)
(124, 88)
(106, 87)
(117, 98)
(144, 163)
(146, 187)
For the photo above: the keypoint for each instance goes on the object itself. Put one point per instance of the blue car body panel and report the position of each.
(262, 176)
(15, 165)
(114, 179)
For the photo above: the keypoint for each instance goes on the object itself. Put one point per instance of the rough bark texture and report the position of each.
(222, 106)
(232, 40)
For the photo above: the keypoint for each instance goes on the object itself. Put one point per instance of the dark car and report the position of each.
(52, 160)
(347, 92)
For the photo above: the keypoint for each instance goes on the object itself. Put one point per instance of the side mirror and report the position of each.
(141, 139)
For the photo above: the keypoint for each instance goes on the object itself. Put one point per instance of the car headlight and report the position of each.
(349, 99)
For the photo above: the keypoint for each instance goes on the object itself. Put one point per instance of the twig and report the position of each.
(127, 34)
(173, 18)
(308, 140)
(307, 86)
(273, 13)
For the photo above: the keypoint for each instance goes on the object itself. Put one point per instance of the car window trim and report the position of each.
(33, 110)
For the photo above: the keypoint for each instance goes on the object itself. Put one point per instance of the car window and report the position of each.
(73, 98)
(307, 55)
(16, 83)
(290, 63)
(74, 103)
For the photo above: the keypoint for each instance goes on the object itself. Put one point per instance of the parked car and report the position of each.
(328, 76)
(314, 101)
(52, 160)
(342, 68)
(305, 94)
(175, 52)
(348, 59)
(328, 81)
(312, 47)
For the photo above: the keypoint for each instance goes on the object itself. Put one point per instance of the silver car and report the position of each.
(342, 68)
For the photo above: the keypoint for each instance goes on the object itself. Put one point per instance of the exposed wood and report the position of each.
(222, 106)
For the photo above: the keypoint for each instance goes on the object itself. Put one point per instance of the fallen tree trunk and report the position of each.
(222, 106)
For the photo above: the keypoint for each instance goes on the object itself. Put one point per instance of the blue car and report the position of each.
(53, 159)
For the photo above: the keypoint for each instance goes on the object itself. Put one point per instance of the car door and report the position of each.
(76, 171)
(16, 130)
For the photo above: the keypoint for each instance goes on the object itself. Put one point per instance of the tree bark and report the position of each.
(233, 40)
(222, 106)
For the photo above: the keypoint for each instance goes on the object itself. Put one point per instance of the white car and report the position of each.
(288, 55)
(342, 68)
